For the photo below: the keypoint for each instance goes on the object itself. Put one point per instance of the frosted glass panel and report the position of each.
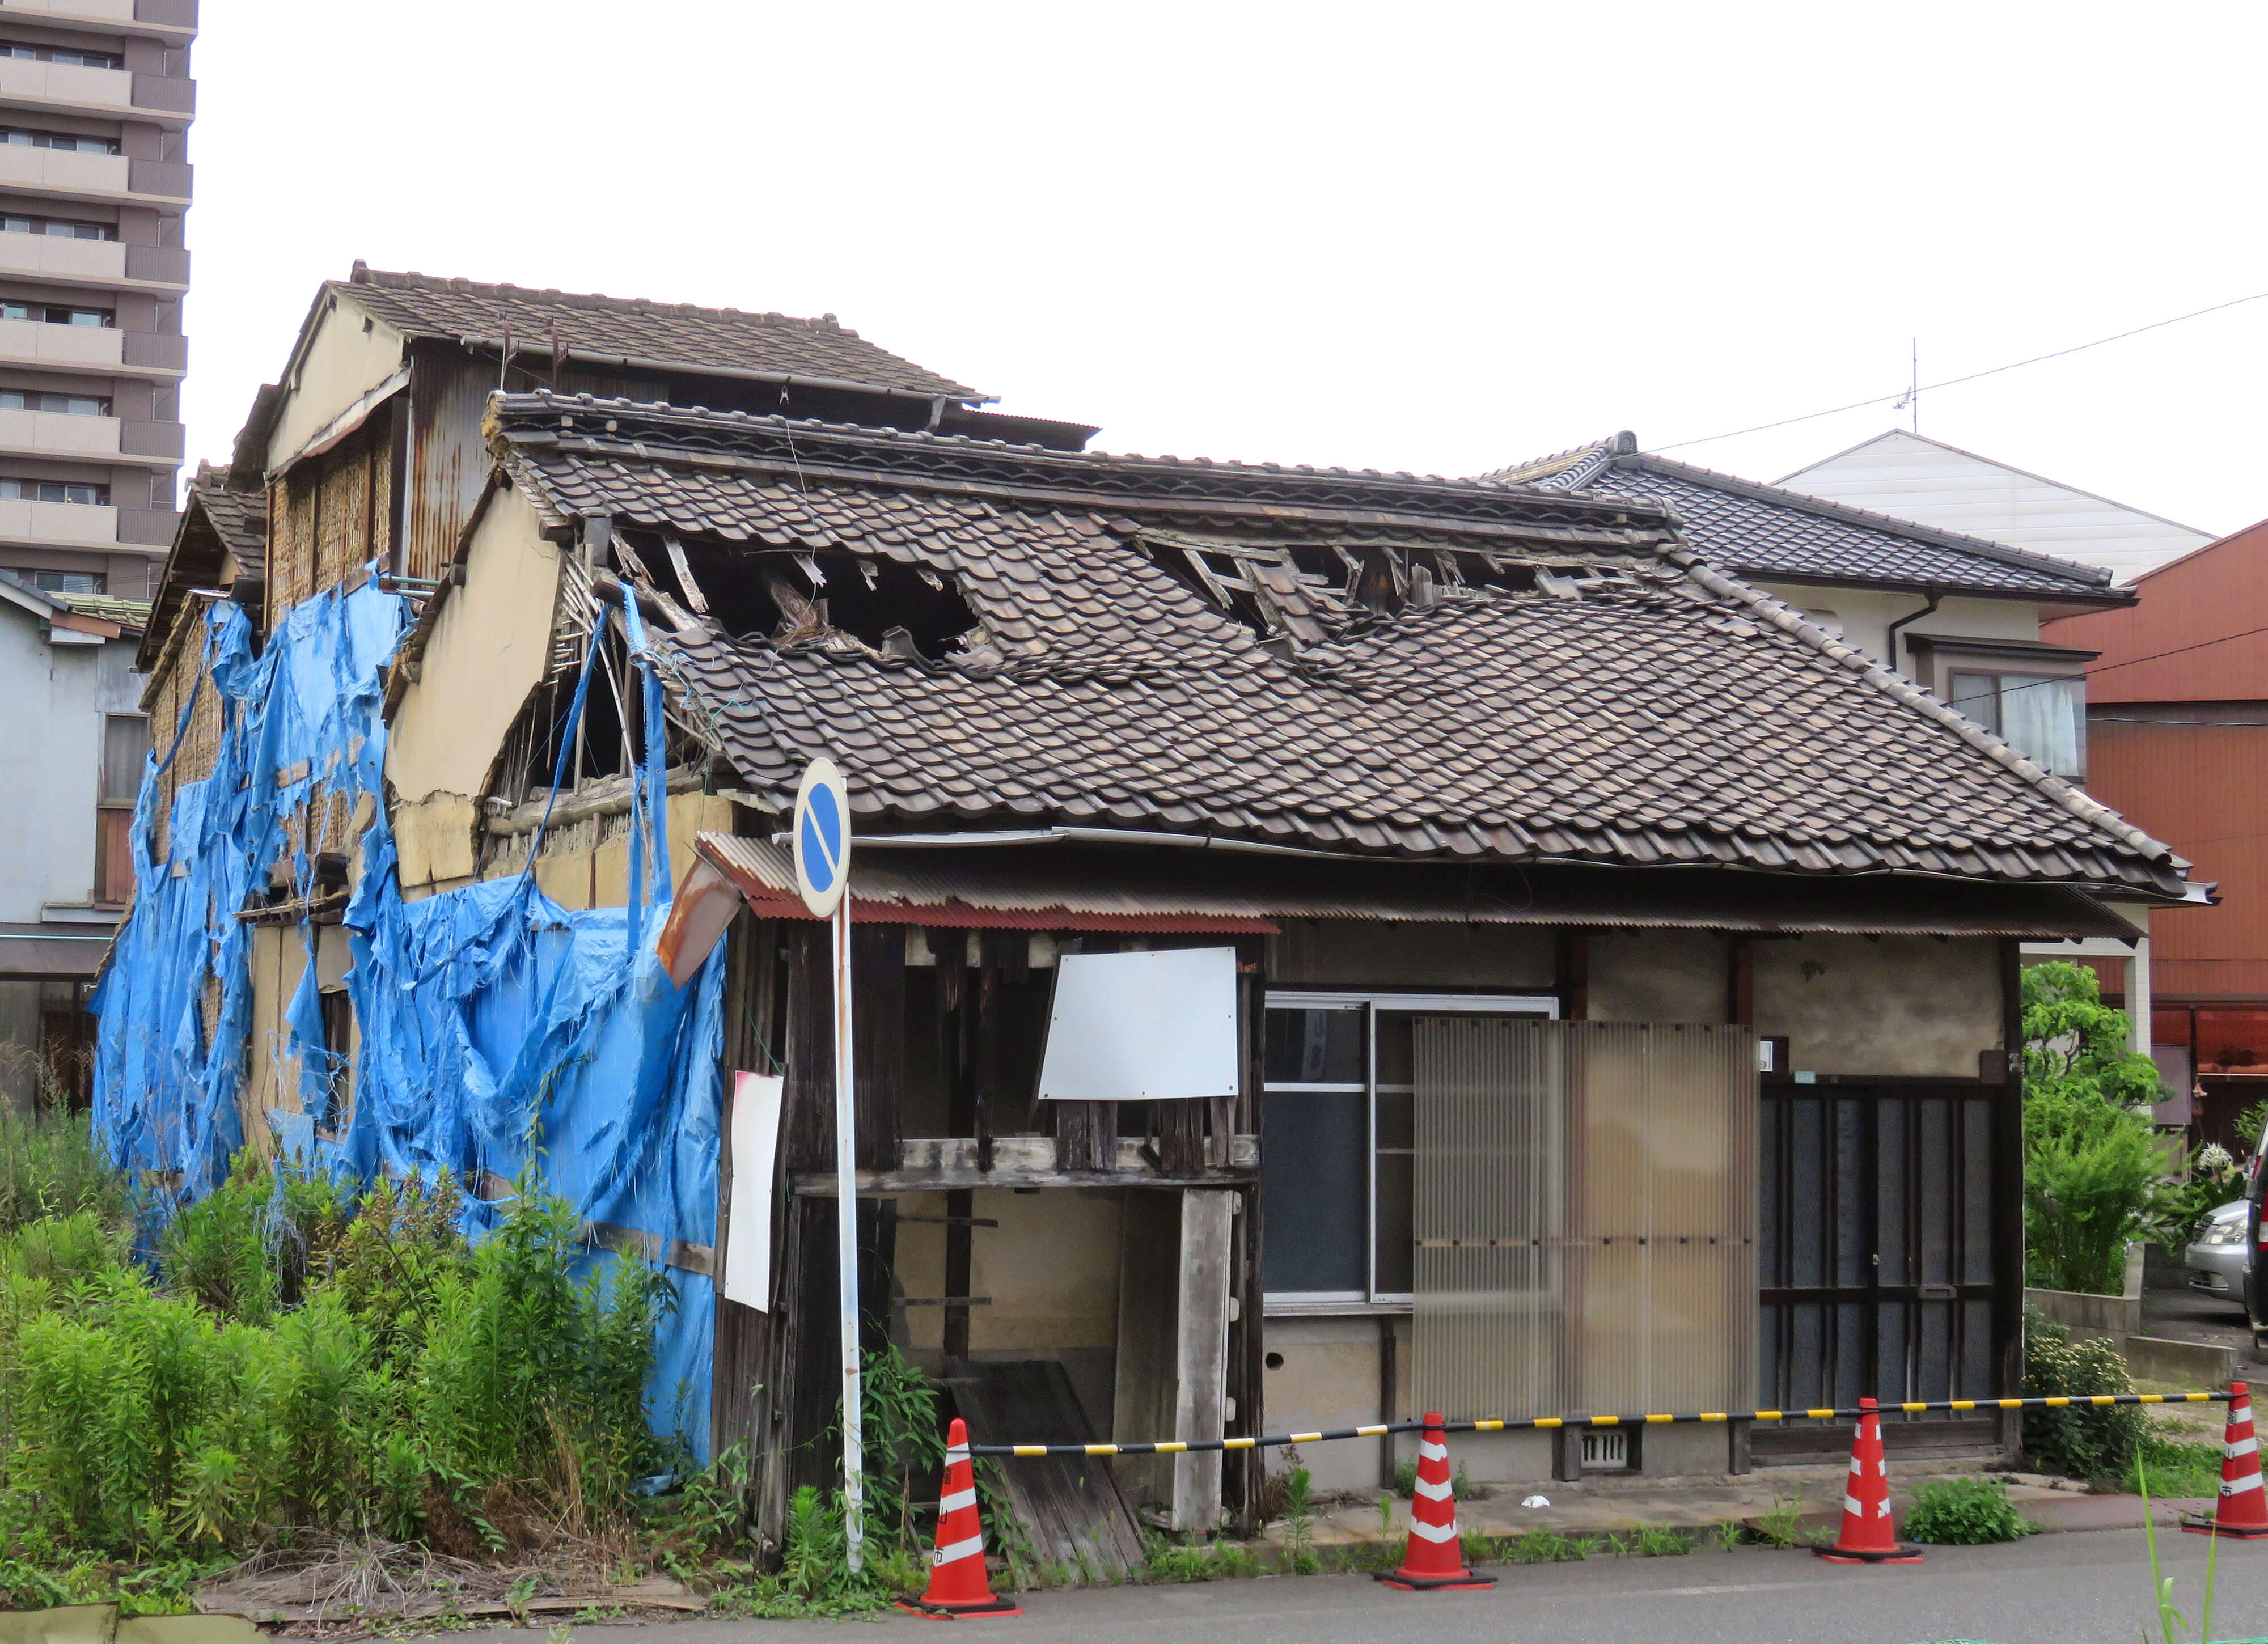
(1586, 1210)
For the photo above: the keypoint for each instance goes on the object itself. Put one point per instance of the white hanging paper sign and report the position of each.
(755, 1145)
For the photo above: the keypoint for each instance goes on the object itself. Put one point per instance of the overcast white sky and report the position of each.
(1427, 236)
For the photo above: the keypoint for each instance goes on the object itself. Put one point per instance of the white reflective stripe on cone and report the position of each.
(958, 1499)
(1850, 1505)
(1431, 1451)
(2238, 1486)
(2243, 1447)
(957, 1457)
(1855, 1467)
(1882, 1508)
(1425, 1531)
(972, 1548)
(1434, 1492)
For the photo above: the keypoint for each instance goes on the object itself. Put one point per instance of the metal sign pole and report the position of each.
(846, 1245)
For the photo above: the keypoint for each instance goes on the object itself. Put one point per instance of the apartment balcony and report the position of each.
(70, 88)
(62, 348)
(93, 351)
(101, 263)
(65, 525)
(66, 174)
(105, 439)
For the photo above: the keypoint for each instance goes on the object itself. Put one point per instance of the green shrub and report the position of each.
(1965, 1513)
(49, 1166)
(2083, 1442)
(211, 1409)
(2091, 1165)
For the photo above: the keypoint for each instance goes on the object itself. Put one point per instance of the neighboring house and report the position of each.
(1497, 814)
(1918, 478)
(1959, 616)
(72, 743)
(2177, 710)
(94, 187)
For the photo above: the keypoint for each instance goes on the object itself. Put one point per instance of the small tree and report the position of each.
(2091, 1163)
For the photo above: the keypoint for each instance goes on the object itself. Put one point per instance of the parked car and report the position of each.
(2220, 1259)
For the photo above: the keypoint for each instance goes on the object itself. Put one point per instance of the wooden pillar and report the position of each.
(960, 1260)
(1572, 977)
(1201, 1354)
(877, 955)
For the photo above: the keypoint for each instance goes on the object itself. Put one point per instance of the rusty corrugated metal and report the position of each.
(449, 461)
(1101, 888)
(2205, 789)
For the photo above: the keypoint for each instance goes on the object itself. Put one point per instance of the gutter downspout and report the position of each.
(1890, 633)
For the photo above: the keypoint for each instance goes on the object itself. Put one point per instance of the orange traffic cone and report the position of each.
(2242, 1510)
(1868, 1537)
(1434, 1562)
(957, 1586)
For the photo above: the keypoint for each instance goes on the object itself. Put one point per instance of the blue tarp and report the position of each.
(496, 1027)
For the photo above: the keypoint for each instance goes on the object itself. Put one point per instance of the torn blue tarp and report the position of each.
(496, 1029)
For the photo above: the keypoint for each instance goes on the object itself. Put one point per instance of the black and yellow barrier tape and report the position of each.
(1266, 1440)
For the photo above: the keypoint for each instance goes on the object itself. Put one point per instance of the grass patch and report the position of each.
(1782, 1526)
(1542, 1545)
(2177, 1467)
(1970, 1512)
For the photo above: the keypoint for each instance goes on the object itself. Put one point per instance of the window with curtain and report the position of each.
(2043, 716)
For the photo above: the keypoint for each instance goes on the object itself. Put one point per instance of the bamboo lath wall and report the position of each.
(331, 515)
(185, 676)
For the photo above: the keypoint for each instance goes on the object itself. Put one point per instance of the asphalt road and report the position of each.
(2070, 1589)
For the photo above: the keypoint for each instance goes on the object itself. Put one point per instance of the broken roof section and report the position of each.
(1765, 532)
(634, 334)
(1474, 673)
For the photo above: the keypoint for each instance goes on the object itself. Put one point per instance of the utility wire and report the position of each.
(1953, 382)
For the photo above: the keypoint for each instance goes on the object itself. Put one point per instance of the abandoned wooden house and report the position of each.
(1616, 970)
(1623, 968)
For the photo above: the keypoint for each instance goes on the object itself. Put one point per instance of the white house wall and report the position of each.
(1912, 478)
(1864, 616)
(51, 746)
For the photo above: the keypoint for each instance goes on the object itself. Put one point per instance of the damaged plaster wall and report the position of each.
(349, 354)
(487, 650)
(1656, 976)
(1889, 1005)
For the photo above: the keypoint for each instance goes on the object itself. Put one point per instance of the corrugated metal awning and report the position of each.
(1084, 887)
(50, 956)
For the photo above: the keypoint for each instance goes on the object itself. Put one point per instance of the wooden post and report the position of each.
(960, 1260)
(1201, 1354)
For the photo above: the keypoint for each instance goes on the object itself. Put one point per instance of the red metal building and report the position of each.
(2177, 742)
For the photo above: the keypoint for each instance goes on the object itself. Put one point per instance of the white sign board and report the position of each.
(822, 837)
(1142, 1027)
(748, 1234)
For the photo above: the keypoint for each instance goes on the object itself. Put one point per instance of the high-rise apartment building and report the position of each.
(95, 105)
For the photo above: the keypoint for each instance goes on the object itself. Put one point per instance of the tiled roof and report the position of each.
(665, 334)
(1579, 687)
(214, 520)
(239, 518)
(131, 614)
(1761, 531)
